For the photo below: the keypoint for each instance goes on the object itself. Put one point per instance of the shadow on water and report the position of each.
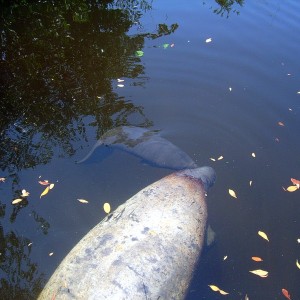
(60, 65)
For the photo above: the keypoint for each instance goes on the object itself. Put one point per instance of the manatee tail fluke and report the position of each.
(99, 143)
(206, 174)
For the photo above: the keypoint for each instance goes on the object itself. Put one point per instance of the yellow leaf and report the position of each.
(292, 188)
(83, 201)
(106, 207)
(220, 157)
(216, 289)
(24, 193)
(16, 201)
(223, 292)
(51, 186)
(263, 235)
(260, 273)
(46, 190)
(297, 264)
(232, 193)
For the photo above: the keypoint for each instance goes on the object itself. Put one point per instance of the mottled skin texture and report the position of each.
(146, 249)
(145, 144)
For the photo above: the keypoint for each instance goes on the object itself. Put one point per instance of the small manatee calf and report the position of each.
(146, 144)
(146, 249)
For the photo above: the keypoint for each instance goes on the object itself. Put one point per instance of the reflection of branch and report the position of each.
(22, 280)
(44, 225)
(226, 6)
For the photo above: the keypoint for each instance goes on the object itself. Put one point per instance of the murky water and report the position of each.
(217, 81)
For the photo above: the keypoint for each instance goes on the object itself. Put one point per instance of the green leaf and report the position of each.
(165, 46)
(139, 53)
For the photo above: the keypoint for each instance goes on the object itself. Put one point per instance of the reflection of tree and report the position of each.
(226, 6)
(22, 280)
(58, 63)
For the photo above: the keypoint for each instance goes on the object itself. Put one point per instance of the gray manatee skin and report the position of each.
(146, 249)
(147, 145)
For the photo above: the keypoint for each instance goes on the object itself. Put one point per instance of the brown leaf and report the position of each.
(286, 294)
(45, 182)
(256, 258)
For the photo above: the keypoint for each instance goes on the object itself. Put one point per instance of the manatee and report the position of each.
(146, 144)
(146, 249)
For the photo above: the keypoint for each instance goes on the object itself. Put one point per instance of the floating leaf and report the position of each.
(298, 240)
(120, 85)
(232, 193)
(46, 190)
(296, 182)
(51, 253)
(246, 297)
(165, 46)
(83, 201)
(212, 159)
(139, 53)
(253, 154)
(250, 182)
(51, 186)
(292, 188)
(45, 182)
(297, 264)
(29, 244)
(256, 258)
(225, 257)
(286, 294)
(2, 179)
(216, 289)
(106, 207)
(16, 201)
(208, 40)
(280, 124)
(24, 193)
(263, 235)
(260, 273)
(220, 157)
(230, 88)
(120, 80)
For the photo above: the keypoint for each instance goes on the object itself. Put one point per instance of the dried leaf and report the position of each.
(45, 182)
(292, 188)
(120, 80)
(208, 40)
(280, 124)
(225, 257)
(286, 294)
(232, 193)
(250, 182)
(16, 201)
(260, 273)
(296, 182)
(51, 253)
(216, 289)
(29, 244)
(256, 258)
(246, 297)
(253, 154)
(220, 157)
(46, 190)
(120, 85)
(212, 159)
(83, 201)
(106, 207)
(25, 193)
(263, 235)
(298, 240)
(2, 179)
(51, 186)
(297, 264)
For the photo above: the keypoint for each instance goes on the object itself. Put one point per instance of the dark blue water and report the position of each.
(222, 98)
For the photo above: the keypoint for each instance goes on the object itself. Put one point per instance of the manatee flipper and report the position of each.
(147, 248)
(147, 145)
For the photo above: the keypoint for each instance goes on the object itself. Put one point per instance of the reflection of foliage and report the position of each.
(43, 224)
(22, 280)
(226, 6)
(58, 63)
